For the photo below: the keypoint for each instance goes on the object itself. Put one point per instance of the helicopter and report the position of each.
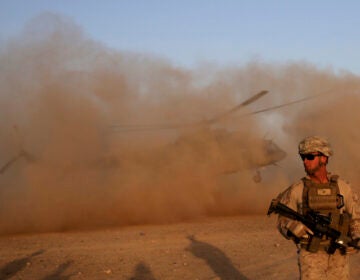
(220, 150)
(223, 151)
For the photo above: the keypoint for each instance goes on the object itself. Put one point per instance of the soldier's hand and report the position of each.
(298, 229)
(351, 250)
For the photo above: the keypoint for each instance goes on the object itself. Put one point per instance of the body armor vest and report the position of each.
(323, 198)
(326, 200)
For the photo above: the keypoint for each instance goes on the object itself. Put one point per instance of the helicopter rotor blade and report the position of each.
(135, 127)
(9, 163)
(236, 108)
(284, 105)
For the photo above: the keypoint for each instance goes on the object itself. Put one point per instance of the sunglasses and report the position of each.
(309, 156)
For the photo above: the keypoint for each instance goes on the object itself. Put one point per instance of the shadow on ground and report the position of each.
(58, 274)
(12, 268)
(216, 259)
(142, 272)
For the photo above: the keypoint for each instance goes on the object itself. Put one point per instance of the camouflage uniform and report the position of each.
(320, 265)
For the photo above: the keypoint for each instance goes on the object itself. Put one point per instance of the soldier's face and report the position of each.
(313, 162)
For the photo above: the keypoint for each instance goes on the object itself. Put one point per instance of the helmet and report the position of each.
(313, 144)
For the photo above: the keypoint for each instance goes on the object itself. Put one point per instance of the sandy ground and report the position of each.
(244, 247)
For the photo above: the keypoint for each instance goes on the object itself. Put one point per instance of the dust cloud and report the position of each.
(71, 158)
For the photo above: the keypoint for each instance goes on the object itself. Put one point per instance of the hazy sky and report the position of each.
(323, 32)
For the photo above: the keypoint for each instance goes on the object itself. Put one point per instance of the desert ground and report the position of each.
(241, 247)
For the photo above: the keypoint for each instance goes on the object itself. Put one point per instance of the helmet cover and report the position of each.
(313, 144)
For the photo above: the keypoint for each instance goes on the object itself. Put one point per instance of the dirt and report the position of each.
(243, 247)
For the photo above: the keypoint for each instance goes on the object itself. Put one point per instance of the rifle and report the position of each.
(319, 224)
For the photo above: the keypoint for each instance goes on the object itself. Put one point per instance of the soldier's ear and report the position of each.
(324, 159)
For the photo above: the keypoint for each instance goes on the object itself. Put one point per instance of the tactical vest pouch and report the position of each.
(322, 198)
(344, 223)
(314, 244)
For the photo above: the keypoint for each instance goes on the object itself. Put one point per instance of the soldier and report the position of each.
(326, 194)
